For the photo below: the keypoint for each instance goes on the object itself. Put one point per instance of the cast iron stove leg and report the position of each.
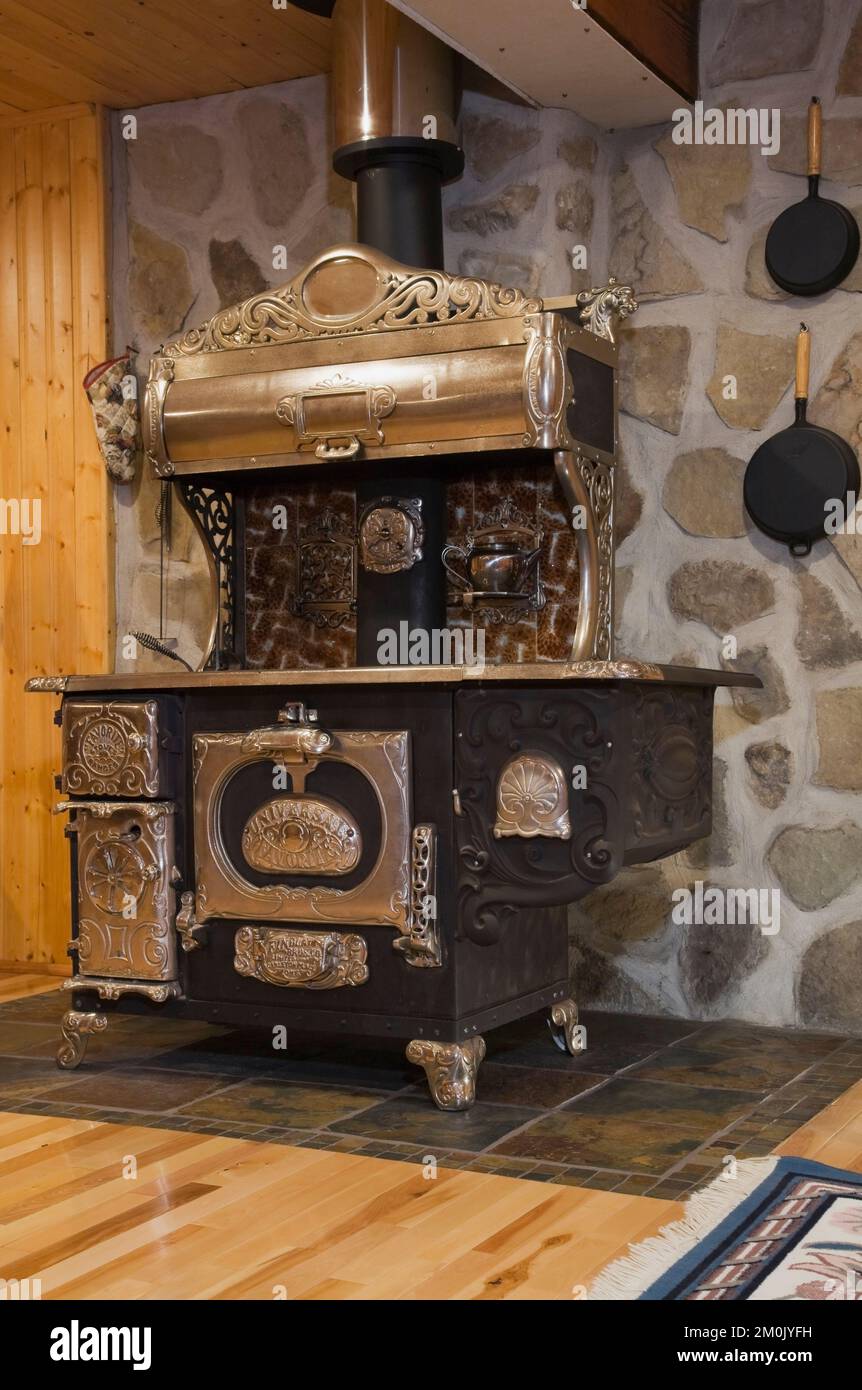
(451, 1070)
(76, 1028)
(563, 1023)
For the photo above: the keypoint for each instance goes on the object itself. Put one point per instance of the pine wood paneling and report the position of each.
(56, 597)
(135, 52)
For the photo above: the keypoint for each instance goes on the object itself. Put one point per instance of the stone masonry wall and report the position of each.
(209, 187)
(688, 225)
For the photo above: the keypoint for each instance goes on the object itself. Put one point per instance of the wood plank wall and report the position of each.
(56, 597)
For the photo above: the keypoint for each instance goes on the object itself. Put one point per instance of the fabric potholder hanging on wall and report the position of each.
(113, 394)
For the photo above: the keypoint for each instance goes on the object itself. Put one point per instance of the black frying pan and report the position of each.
(813, 245)
(792, 479)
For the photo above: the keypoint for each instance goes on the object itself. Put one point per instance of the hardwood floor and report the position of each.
(225, 1218)
(15, 986)
(98, 1211)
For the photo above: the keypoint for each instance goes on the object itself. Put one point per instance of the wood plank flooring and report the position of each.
(24, 986)
(98, 1211)
(223, 1218)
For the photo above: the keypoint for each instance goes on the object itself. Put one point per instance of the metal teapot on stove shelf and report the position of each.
(500, 561)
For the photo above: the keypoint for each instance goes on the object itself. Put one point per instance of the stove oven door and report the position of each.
(294, 823)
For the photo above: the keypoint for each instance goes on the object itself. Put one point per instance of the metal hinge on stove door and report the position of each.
(421, 944)
(192, 933)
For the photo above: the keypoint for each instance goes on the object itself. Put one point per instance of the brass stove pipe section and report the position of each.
(389, 76)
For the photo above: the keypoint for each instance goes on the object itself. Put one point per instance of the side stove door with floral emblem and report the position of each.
(111, 748)
(126, 895)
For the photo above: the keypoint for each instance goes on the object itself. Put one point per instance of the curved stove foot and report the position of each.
(76, 1028)
(563, 1023)
(451, 1069)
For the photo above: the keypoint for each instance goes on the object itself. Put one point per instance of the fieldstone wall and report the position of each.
(210, 187)
(688, 226)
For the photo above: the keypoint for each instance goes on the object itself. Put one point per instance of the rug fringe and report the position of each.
(630, 1275)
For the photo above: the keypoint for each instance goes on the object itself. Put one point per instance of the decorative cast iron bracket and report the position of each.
(218, 518)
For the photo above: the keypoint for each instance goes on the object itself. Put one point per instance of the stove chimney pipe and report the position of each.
(394, 101)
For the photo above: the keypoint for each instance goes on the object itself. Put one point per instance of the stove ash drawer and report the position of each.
(126, 895)
(111, 748)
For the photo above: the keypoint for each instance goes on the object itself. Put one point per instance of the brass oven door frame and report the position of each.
(383, 897)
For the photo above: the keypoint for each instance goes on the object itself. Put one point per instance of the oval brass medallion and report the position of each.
(302, 835)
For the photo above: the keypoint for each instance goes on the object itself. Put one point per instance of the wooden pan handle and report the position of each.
(815, 136)
(803, 363)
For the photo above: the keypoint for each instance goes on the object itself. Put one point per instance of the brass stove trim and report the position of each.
(451, 1069)
(341, 957)
(563, 1023)
(331, 342)
(394, 296)
(160, 379)
(76, 1027)
(383, 757)
(110, 748)
(107, 988)
(587, 480)
(46, 685)
(391, 534)
(361, 406)
(318, 818)
(125, 848)
(532, 798)
(600, 307)
(570, 673)
(421, 945)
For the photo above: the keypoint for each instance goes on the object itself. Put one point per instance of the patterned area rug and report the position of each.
(773, 1229)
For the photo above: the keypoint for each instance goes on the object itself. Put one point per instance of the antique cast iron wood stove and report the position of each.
(300, 835)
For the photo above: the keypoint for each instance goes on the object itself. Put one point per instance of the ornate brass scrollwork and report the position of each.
(298, 744)
(301, 959)
(76, 1028)
(302, 835)
(391, 535)
(602, 306)
(126, 877)
(110, 748)
(451, 1069)
(421, 945)
(115, 989)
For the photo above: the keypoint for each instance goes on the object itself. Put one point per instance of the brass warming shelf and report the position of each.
(360, 360)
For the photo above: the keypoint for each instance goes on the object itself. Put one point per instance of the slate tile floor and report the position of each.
(655, 1105)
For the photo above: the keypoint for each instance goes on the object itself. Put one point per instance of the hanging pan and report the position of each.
(813, 245)
(802, 476)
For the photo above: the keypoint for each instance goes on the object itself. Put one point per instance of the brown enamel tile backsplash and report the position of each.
(280, 517)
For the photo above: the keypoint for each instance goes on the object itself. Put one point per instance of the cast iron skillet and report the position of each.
(813, 245)
(793, 477)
